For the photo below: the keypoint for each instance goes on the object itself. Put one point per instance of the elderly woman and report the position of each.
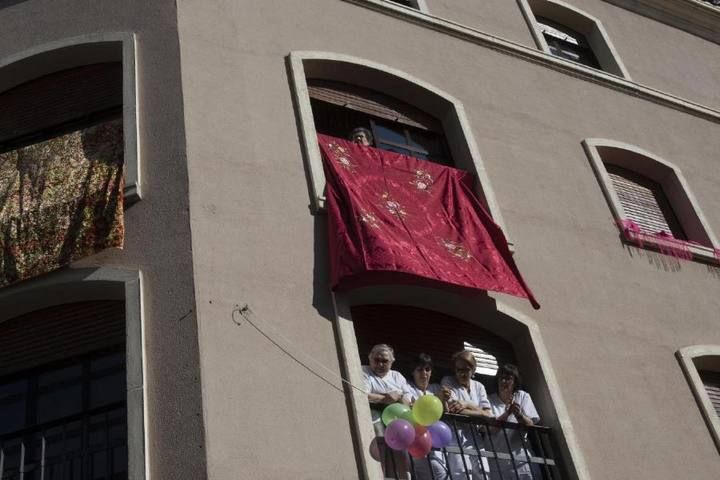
(467, 397)
(385, 386)
(361, 136)
(511, 404)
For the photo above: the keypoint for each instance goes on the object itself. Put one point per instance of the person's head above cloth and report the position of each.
(361, 136)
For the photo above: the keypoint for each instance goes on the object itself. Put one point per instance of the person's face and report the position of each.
(506, 383)
(380, 363)
(361, 138)
(421, 375)
(463, 372)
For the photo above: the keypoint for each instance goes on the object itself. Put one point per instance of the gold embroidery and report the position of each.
(369, 219)
(422, 181)
(341, 157)
(393, 206)
(456, 249)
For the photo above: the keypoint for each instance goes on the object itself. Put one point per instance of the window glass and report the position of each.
(566, 43)
(12, 405)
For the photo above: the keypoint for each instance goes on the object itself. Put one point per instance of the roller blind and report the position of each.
(60, 332)
(711, 381)
(372, 103)
(644, 202)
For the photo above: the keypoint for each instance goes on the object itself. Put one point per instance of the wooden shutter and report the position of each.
(711, 381)
(372, 103)
(644, 202)
(60, 332)
(59, 98)
(411, 331)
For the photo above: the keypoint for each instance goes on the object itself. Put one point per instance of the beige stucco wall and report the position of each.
(157, 228)
(612, 317)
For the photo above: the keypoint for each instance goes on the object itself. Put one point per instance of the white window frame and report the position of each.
(396, 83)
(690, 358)
(86, 50)
(104, 283)
(580, 21)
(673, 182)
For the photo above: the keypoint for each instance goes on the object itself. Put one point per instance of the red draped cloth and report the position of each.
(395, 218)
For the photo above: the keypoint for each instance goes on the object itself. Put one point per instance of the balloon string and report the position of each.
(246, 313)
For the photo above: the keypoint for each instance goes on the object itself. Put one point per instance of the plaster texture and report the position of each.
(157, 229)
(612, 316)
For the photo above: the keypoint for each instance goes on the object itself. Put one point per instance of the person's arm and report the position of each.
(386, 398)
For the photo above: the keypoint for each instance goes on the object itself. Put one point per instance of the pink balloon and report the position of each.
(422, 444)
(399, 434)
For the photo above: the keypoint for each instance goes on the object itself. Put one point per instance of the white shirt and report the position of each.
(392, 381)
(477, 394)
(527, 406)
(412, 392)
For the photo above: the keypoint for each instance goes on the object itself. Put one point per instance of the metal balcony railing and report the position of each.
(482, 448)
(87, 446)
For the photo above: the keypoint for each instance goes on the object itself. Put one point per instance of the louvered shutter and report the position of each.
(711, 381)
(59, 98)
(60, 332)
(411, 331)
(644, 202)
(372, 103)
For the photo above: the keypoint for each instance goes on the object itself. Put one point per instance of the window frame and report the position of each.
(419, 5)
(689, 357)
(395, 83)
(583, 23)
(674, 185)
(83, 50)
(103, 283)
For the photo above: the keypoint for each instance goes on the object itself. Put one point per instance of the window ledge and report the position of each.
(536, 56)
(682, 249)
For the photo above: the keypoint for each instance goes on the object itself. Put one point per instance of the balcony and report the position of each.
(485, 443)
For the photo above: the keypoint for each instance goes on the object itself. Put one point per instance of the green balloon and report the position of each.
(427, 410)
(395, 411)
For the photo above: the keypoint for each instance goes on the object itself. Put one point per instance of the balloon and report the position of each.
(440, 433)
(427, 410)
(395, 411)
(399, 434)
(422, 444)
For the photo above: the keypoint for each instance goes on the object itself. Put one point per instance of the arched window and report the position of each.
(701, 366)
(650, 200)
(334, 92)
(567, 32)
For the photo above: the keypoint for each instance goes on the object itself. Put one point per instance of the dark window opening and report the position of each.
(339, 108)
(407, 3)
(64, 418)
(566, 43)
(711, 382)
(58, 103)
(644, 202)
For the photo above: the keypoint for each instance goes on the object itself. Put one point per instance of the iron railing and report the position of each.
(482, 448)
(87, 446)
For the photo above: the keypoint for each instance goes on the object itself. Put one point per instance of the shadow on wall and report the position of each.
(10, 3)
(322, 298)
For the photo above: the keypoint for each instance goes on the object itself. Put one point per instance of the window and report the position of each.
(406, 114)
(397, 127)
(566, 43)
(416, 4)
(701, 366)
(650, 200)
(564, 31)
(66, 415)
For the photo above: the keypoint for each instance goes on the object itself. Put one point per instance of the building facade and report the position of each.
(211, 344)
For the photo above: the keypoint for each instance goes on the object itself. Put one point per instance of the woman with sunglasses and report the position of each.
(466, 396)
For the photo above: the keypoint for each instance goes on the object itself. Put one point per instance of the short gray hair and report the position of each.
(380, 348)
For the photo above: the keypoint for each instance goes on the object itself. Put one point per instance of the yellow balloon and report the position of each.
(427, 410)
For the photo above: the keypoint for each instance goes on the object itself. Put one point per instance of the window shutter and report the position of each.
(411, 331)
(60, 332)
(711, 381)
(372, 103)
(59, 98)
(644, 202)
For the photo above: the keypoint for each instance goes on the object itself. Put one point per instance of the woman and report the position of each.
(510, 404)
(467, 397)
(420, 384)
(418, 387)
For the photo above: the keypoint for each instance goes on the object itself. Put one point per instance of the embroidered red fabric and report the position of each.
(397, 219)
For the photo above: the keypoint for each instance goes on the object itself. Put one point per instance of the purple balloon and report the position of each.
(440, 433)
(399, 434)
